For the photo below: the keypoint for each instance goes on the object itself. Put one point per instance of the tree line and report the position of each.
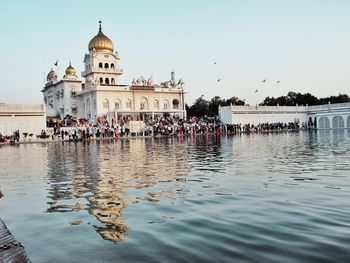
(202, 107)
(294, 98)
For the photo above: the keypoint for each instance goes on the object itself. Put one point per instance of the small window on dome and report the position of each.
(112, 65)
(100, 65)
(101, 81)
(106, 65)
(107, 81)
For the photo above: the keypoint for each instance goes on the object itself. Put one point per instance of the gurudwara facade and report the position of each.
(100, 93)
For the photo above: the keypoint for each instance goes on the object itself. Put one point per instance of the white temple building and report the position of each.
(100, 93)
(326, 116)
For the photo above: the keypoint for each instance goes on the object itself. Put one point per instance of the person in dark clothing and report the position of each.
(62, 134)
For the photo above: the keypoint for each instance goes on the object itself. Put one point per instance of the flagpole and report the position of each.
(57, 68)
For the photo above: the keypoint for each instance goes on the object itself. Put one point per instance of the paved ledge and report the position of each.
(11, 251)
(155, 136)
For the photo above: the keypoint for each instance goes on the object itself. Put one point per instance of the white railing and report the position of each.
(103, 70)
(343, 105)
(234, 108)
(21, 107)
(269, 108)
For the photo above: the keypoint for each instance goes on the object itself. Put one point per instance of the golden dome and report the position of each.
(70, 70)
(100, 42)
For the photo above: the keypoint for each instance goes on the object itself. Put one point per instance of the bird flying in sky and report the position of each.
(219, 80)
(278, 81)
(214, 63)
(256, 91)
(264, 80)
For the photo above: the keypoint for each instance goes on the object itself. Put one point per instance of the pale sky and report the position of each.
(305, 44)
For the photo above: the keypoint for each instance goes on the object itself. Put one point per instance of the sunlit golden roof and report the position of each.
(70, 70)
(101, 42)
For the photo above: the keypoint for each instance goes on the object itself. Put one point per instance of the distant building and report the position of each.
(29, 119)
(262, 114)
(328, 116)
(100, 93)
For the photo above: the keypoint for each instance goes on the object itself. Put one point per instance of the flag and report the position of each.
(56, 64)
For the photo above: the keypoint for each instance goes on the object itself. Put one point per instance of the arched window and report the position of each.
(101, 81)
(128, 104)
(176, 104)
(143, 103)
(88, 108)
(338, 122)
(112, 81)
(117, 104)
(106, 65)
(156, 104)
(100, 65)
(112, 65)
(105, 104)
(107, 81)
(166, 105)
(348, 122)
(324, 123)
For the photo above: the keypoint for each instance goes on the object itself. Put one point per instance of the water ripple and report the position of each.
(248, 198)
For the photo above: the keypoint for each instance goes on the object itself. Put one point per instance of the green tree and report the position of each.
(214, 104)
(199, 108)
(235, 101)
(335, 99)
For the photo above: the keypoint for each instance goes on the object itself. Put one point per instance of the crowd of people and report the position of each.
(166, 126)
(70, 129)
(263, 127)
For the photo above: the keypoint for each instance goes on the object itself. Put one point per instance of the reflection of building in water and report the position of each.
(101, 173)
(135, 164)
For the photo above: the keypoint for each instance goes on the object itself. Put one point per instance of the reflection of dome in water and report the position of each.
(113, 234)
(101, 42)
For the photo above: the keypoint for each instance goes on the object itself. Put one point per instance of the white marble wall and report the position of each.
(25, 118)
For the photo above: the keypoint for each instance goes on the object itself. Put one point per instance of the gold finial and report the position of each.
(100, 27)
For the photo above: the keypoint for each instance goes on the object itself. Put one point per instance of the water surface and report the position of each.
(250, 198)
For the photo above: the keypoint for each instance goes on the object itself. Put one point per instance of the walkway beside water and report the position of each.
(57, 140)
(10, 249)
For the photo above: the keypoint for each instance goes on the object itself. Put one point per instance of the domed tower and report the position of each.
(102, 62)
(51, 77)
(70, 73)
(101, 42)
